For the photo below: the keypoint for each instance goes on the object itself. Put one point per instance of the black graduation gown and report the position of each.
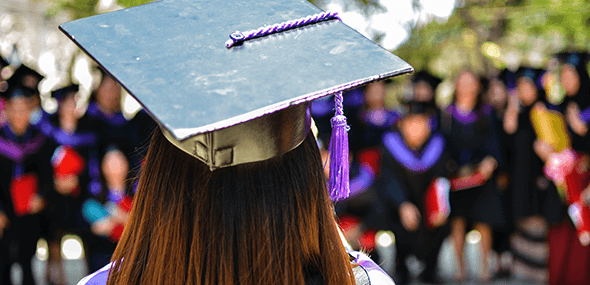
(27, 155)
(405, 177)
(471, 137)
(532, 192)
(63, 211)
(130, 136)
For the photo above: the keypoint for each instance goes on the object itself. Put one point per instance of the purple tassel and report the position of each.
(339, 165)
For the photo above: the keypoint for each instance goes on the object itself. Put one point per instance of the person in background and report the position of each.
(75, 174)
(535, 201)
(497, 95)
(131, 136)
(25, 179)
(575, 80)
(3, 86)
(475, 153)
(108, 210)
(414, 158)
(375, 117)
(29, 78)
(569, 240)
(425, 85)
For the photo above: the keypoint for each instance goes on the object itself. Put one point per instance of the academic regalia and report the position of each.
(375, 123)
(532, 192)
(24, 169)
(579, 60)
(471, 137)
(406, 176)
(101, 206)
(240, 102)
(131, 136)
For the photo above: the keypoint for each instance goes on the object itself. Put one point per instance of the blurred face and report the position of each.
(423, 92)
(467, 88)
(30, 81)
(108, 95)
(17, 113)
(570, 80)
(67, 108)
(415, 130)
(375, 95)
(497, 95)
(527, 91)
(115, 168)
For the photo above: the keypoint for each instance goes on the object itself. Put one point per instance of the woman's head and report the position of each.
(266, 222)
(108, 94)
(467, 89)
(528, 85)
(375, 95)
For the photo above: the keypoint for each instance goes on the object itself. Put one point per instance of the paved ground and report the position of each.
(76, 269)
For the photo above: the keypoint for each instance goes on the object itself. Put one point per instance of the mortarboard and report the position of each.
(577, 59)
(425, 76)
(15, 90)
(534, 74)
(3, 62)
(19, 77)
(62, 93)
(223, 100)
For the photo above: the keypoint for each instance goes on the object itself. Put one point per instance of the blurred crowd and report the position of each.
(507, 157)
(70, 172)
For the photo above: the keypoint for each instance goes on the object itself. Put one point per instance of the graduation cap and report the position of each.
(27, 77)
(425, 76)
(533, 74)
(229, 82)
(577, 59)
(3, 62)
(15, 91)
(62, 93)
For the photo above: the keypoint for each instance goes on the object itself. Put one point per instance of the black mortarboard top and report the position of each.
(16, 90)
(62, 93)
(22, 71)
(576, 58)
(238, 104)
(425, 76)
(3, 62)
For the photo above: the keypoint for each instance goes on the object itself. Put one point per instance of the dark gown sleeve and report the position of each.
(390, 186)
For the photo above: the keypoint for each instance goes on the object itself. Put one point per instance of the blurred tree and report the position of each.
(482, 35)
(485, 35)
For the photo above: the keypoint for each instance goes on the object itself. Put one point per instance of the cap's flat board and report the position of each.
(171, 56)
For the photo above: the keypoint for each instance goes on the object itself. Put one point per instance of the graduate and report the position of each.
(472, 139)
(75, 164)
(413, 165)
(424, 87)
(375, 117)
(535, 202)
(130, 135)
(576, 106)
(107, 211)
(25, 179)
(232, 189)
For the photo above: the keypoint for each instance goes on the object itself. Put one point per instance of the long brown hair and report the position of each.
(268, 222)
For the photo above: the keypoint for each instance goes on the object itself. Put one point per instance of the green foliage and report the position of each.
(131, 3)
(484, 35)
